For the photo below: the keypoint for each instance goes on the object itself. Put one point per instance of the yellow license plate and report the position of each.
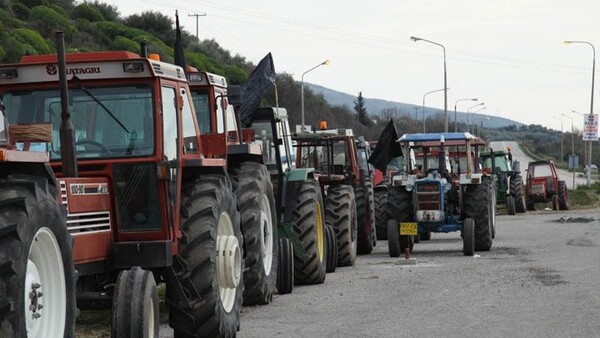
(407, 229)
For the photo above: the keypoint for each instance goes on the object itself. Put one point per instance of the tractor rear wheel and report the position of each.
(510, 205)
(563, 196)
(135, 305)
(478, 202)
(285, 268)
(381, 196)
(364, 203)
(518, 192)
(252, 184)
(340, 212)
(468, 235)
(37, 277)
(332, 249)
(204, 289)
(309, 225)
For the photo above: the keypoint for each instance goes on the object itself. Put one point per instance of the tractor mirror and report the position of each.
(234, 95)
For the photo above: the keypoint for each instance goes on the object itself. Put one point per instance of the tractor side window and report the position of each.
(202, 107)
(190, 138)
(169, 112)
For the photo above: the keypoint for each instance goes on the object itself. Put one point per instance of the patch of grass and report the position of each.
(585, 197)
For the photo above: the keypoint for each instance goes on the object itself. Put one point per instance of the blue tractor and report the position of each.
(441, 189)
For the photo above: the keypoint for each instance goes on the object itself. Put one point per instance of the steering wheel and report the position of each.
(93, 143)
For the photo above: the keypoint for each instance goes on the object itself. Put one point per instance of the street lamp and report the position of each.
(486, 118)
(324, 63)
(585, 144)
(415, 39)
(475, 123)
(455, 103)
(469, 113)
(572, 147)
(562, 154)
(589, 155)
(424, 95)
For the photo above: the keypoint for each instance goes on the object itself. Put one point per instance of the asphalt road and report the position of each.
(540, 279)
(524, 159)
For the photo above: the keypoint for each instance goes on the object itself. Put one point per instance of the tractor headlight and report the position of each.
(409, 187)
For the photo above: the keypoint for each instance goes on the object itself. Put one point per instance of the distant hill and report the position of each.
(387, 109)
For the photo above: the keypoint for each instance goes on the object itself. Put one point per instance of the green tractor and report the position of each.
(509, 182)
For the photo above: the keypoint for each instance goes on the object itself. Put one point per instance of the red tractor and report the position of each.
(543, 185)
(145, 198)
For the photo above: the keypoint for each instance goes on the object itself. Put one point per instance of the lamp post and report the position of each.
(324, 63)
(481, 124)
(455, 103)
(572, 147)
(424, 95)
(469, 113)
(562, 139)
(584, 143)
(589, 154)
(475, 123)
(415, 39)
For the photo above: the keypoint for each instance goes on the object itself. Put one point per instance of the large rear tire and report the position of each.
(309, 225)
(381, 196)
(254, 191)
(135, 305)
(364, 202)
(209, 262)
(563, 196)
(37, 277)
(478, 204)
(340, 212)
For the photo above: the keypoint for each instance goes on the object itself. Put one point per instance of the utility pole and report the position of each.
(197, 15)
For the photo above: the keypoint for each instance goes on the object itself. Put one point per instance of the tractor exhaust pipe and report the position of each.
(67, 131)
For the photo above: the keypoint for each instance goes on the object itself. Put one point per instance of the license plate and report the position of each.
(407, 229)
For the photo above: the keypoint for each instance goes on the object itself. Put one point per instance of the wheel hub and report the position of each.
(229, 257)
(266, 225)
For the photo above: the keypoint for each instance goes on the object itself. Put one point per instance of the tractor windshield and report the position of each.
(109, 122)
(499, 161)
(543, 170)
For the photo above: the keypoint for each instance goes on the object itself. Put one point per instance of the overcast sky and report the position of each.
(507, 53)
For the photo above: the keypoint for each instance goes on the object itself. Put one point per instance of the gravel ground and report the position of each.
(540, 279)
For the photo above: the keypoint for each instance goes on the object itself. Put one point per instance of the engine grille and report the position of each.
(428, 196)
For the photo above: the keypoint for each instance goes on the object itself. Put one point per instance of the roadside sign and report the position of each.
(590, 127)
(573, 161)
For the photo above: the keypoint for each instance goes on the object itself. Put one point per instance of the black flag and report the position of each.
(387, 148)
(179, 55)
(259, 83)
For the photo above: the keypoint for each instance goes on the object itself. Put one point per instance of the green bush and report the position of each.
(21, 11)
(235, 75)
(85, 11)
(123, 43)
(2, 53)
(60, 10)
(47, 20)
(9, 21)
(13, 50)
(33, 3)
(33, 39)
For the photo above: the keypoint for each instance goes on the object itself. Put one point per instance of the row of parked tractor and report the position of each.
(445, 182)
(119, 172)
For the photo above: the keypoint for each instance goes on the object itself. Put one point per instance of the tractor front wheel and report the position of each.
(510, 205)
(468, 235)
(285, 268)
(381, 196)
(135, 305)
(332, 249)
